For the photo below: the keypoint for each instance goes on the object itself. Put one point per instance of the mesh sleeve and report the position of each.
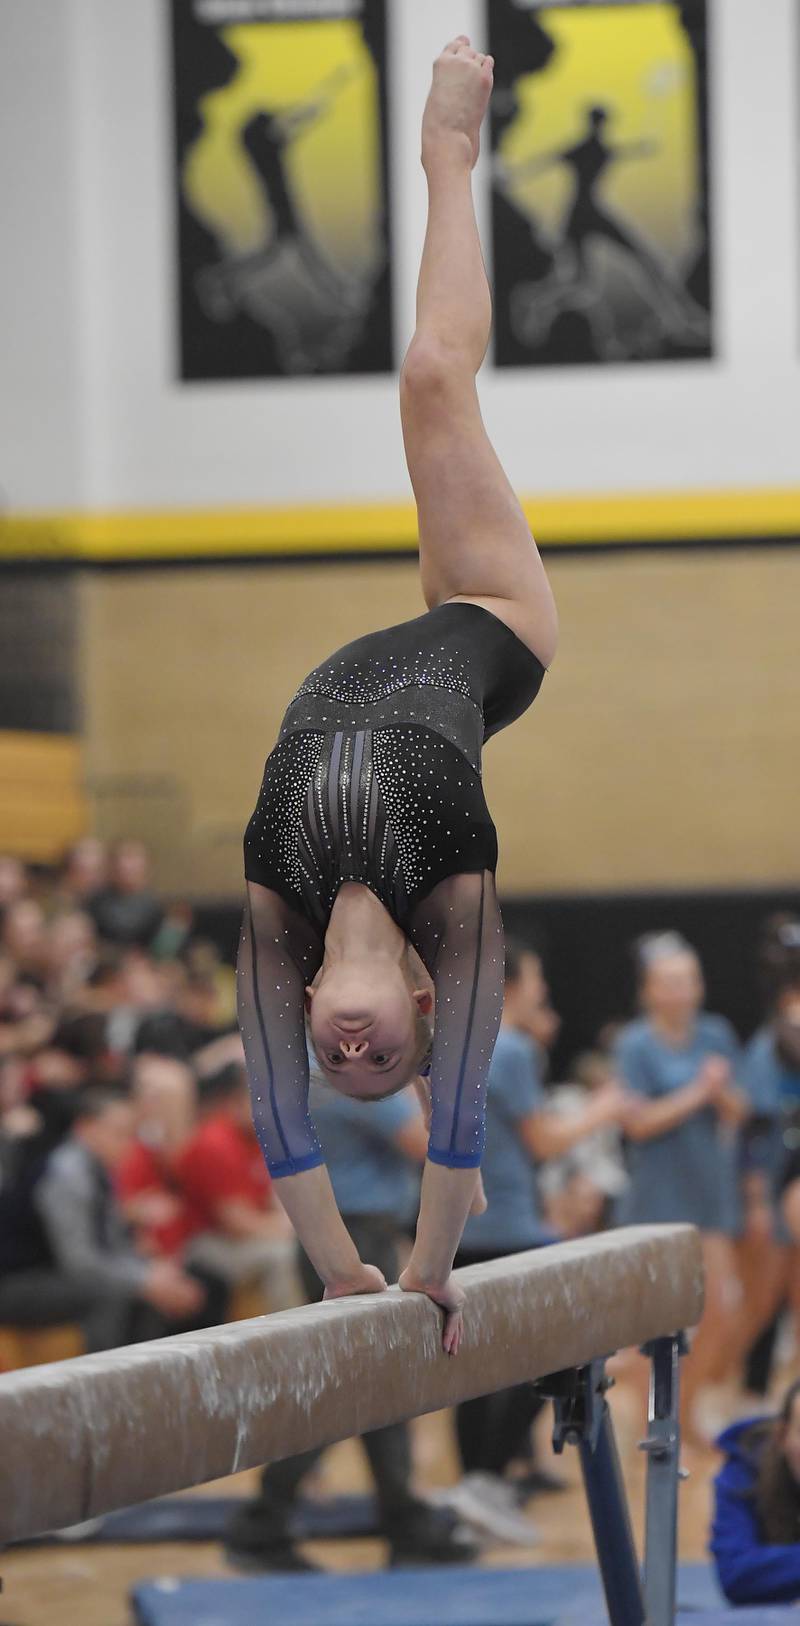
(458, 931)
(278, 954)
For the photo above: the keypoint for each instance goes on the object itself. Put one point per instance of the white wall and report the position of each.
(41, 384)
(92, 411)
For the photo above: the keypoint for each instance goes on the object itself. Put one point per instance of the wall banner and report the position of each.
(283, 219)
(600, 181)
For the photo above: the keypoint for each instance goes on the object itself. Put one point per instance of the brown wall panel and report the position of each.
(663, 750)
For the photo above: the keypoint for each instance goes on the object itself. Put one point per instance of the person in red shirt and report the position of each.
(237, 1229)
(151, 1200)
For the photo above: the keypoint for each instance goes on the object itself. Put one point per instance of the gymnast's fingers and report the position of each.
(453, 1329)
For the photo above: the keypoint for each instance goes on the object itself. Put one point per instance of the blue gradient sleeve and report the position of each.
(278, 955)
(458, 932)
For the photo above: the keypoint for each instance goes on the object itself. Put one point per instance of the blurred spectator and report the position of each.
(580, 1188)
(127, 910)
(204, 964)
(83, 875)
(187, 1019)
(680, 1064)
(14, 883)
(128, 986)
(771, 1075)
(522, 1132)
(71, 955)
(790, 1205)
(164, 1100)
(755, 1537)
(373, 1151)
(778, 955)
(79, 1261)
(24, 938)
(238, 1231)
(25, 1022)
(90, 1241)
(173, 934)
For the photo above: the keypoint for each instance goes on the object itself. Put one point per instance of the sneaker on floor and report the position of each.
(280, 1557)
(492, 1506)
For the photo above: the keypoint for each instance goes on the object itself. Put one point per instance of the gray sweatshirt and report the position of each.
(85, 1228)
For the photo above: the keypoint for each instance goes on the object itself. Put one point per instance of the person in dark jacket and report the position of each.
(755, 1535)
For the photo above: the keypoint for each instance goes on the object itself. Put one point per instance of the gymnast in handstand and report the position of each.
(370, 857)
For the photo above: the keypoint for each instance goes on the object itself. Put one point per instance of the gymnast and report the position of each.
(371, 910)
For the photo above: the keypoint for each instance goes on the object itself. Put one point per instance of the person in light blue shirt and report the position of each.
(375, 1152)
(681, 1064)
(522, 1131)
(512, 1220)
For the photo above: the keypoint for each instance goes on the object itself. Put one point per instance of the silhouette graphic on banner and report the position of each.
(284, 251)
(599, 169)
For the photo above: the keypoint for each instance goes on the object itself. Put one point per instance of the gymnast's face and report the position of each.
(365, 1026)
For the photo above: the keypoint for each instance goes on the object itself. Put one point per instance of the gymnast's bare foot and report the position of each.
(457, 101)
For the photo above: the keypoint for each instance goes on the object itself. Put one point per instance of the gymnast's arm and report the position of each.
(458, 932)
(278, 954)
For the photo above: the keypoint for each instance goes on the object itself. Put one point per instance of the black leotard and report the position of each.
(376, 778)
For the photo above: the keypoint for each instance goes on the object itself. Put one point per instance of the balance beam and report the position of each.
(82, 1437)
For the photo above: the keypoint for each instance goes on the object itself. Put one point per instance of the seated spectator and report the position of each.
(239, 1232)
(67, 1253)
(24, 938)
(680, 1064)
(204, 962)
(188, 1019)
(174, 932)
(127, 910)
(71, 955)
(14, 881)
(25, 1019)
(84, 873)
(755, 1535)
(127, 987)
(580, 1188)
(164, 1100)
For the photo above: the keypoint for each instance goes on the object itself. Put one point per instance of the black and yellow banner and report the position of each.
(600, 181)
(283, 213)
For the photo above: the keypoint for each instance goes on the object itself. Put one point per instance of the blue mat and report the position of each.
(206, 1518)
(430, 1597)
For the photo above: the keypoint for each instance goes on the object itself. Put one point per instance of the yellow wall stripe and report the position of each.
(142, 534)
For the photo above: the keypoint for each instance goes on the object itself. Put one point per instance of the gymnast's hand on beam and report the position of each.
(450, 1298)
(367, 1279)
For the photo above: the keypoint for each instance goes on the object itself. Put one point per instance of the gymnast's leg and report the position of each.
(474, 539)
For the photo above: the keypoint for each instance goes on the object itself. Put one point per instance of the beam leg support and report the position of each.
(582, 1418)
(662, 1446)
